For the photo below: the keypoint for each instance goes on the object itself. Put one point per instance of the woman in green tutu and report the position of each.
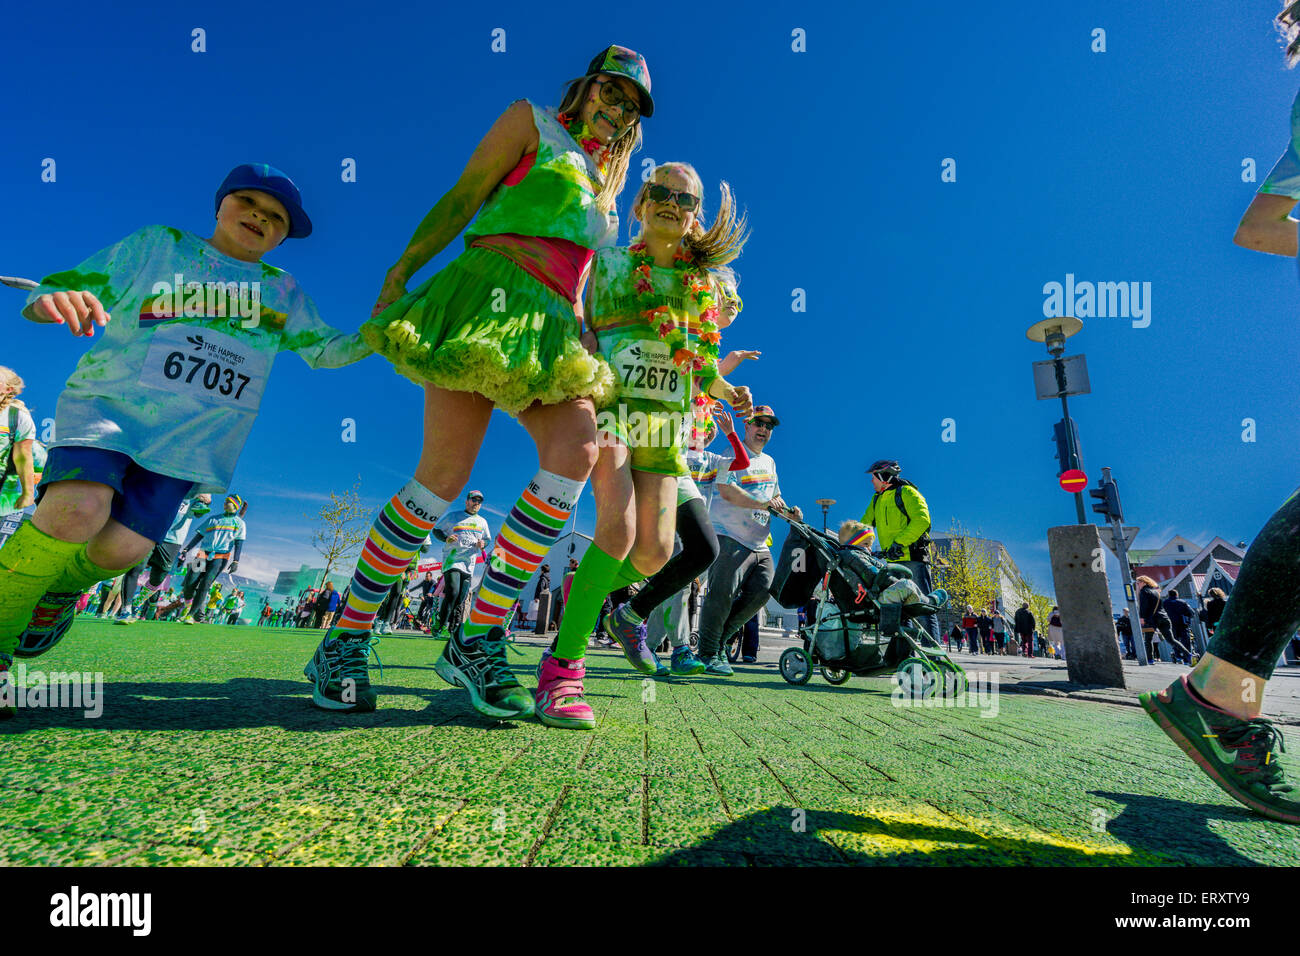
(498, 327)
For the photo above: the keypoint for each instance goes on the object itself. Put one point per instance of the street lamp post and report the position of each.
(826, 507)
(1053, 332)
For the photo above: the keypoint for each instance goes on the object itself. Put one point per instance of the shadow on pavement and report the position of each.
(1158, 832)
(247, 703)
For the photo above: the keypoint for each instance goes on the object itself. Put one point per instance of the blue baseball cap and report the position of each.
(266, 178)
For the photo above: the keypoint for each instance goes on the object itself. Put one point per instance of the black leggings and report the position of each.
(455, 585)
(699, 549)
(1263, 610)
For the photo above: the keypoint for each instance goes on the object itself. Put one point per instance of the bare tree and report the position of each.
(341, 527)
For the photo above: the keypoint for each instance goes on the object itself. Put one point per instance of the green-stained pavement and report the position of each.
(208, 751)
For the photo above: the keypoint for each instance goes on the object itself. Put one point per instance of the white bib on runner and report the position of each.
(206, 366)
(645, 369)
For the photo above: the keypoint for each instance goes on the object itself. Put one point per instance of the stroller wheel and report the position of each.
(917, 678)
(733, 648)
(835, 676)
(796, 665)
(694, 641)
(952, 678)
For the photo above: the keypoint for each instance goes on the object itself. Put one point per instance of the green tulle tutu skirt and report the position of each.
(484, 325)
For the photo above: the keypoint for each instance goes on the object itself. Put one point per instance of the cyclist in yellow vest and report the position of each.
(902, 521)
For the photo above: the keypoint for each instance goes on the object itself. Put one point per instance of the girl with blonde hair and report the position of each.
(653, 315)
(17, 440)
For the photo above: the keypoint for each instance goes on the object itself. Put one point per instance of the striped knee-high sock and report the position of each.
(399, 529)
(533, 525)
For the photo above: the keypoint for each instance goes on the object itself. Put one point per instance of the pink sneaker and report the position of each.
(559, 695)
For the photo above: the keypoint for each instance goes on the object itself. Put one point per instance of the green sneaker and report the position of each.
(1238, 755)
(480, 667)
(340, 673)
(718, 666)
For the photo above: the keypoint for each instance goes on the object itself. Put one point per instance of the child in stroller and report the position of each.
(866, 624)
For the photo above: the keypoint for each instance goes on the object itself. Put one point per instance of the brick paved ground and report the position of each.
(208, 751)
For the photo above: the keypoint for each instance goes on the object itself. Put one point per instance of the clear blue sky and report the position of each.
(1116, 166)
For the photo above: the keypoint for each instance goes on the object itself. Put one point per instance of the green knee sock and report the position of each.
(594, 579)
(627, 574)
(30, 563)
(81, 572)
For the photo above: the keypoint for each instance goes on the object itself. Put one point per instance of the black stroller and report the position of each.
(867, 625)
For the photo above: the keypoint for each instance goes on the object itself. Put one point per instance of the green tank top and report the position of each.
(556, 198)
(641, 360)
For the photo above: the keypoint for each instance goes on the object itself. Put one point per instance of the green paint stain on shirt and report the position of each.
(176, 234)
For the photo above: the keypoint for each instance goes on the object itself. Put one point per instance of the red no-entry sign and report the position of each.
(1074, 480)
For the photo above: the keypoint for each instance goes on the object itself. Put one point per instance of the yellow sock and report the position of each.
(81, 572)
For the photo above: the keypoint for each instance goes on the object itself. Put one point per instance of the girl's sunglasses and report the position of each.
(685, 201)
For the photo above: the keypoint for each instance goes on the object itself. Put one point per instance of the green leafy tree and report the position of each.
(968, 571)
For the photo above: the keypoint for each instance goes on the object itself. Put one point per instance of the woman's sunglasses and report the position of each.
(684, 200)
(611, 95)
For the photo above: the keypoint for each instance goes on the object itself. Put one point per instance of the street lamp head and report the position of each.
(1053, 332)
(826, 502)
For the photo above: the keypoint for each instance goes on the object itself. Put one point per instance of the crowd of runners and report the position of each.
(608, 356)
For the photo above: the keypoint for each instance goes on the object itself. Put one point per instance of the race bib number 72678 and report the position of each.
(206, 366)
(645, 370)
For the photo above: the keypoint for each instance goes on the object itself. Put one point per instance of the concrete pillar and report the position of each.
(1083, 596)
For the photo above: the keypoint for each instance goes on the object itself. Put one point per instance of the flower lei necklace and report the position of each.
(658, 318)
(593, 147)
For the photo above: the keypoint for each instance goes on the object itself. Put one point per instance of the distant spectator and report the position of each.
(985, 625)
(970, 624)
(1025, 624)
(1124, 628)
(1153, 615)
(999, 625)
(1213, 609)
(1180, 617)
(954, 637)
(1055, 633)
(321, 606)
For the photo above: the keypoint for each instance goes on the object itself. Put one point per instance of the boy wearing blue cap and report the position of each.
(161, 406)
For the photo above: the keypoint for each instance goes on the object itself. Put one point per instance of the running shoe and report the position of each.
(749, 660)
(559, 696)
(1238, 755)
(50, 622)
(480, 667)
(124, 617)
(685, 663)
(340, 672)
(631, 637)
(188, 619)
(718, 666)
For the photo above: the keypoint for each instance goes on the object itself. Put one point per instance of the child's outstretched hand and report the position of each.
(79, 311)
(736, 357)
(725, 425)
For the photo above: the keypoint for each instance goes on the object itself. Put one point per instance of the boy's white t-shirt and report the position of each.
(175, 381)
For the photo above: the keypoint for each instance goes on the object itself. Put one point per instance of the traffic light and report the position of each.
(1107, 495)
(1067, 445)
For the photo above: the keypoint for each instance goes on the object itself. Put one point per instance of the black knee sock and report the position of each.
(1263, 610)
(699, 549)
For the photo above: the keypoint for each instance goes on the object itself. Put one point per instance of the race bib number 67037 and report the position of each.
(206, 366)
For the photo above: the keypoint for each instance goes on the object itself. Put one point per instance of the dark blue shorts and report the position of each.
(145, 501)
